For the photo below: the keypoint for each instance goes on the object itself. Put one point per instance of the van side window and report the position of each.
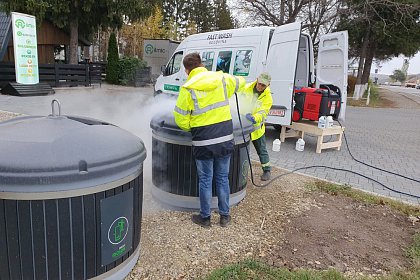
(207, 59)
(242, 63)
(223, 61)
(174, 64)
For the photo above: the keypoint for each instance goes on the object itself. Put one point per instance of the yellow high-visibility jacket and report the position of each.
(261, 107)
(203, 108)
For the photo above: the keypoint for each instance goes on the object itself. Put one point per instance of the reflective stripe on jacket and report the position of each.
(203, 108)
(261, 107)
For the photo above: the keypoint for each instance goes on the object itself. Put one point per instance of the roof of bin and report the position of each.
(64, 153)
(165, 123)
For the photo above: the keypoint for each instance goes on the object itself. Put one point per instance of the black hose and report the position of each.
(359, 161)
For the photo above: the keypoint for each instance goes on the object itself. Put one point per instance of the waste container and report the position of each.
(71, 192)
(174, 173)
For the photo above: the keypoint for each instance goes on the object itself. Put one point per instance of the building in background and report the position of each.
(53, 43)
(157, 53)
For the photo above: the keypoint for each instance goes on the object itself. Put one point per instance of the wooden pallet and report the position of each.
(298, 129)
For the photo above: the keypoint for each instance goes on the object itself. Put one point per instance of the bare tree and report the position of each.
(269, 12)
(317, 16)
(320, 17)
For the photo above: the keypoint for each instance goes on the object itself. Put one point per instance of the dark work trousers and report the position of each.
(259, 145)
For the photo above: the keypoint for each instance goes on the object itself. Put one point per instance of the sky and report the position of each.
(396, 63)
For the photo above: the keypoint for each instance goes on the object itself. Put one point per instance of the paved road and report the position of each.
(387, 138)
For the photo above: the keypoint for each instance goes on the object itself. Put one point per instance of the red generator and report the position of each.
(311, 103)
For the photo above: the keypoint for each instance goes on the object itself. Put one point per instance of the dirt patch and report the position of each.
(172, 247)
(284, 225)
(352, 237)
(394, 100)
(379, 101)
(388, 99)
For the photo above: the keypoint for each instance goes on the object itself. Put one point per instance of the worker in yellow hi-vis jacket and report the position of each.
(203, 108)
(259, 95)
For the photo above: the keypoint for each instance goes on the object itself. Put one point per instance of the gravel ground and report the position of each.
(7, 115)
(172, 247)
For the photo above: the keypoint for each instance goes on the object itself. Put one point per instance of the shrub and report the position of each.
(112, 60)
(127, 69)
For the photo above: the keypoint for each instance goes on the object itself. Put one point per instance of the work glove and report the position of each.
(250, 118)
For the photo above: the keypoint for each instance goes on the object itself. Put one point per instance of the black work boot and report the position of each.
(204, 222)
(266, 175)
(224, 220)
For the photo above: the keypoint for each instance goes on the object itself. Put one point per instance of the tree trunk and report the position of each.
(368, 63)
(357, 89)
(74, 41)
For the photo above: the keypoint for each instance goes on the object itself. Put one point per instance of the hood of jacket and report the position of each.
(203, 80)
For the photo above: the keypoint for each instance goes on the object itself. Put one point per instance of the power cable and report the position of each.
(375, 167)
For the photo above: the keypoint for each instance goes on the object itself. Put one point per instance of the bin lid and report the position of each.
(165, 123)
(62, 153)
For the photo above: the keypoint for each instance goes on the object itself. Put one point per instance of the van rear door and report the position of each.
(281, 65)
(332, 65)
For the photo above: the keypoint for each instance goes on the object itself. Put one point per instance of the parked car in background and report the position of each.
(411, 85)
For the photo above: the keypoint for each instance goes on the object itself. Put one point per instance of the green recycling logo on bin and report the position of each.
(118, 230)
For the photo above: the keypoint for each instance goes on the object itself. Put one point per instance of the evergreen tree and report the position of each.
(223, 18)
(202, 14)
(174, 17)
(112, 61)
(184, 18)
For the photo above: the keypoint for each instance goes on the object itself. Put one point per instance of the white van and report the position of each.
(284, 52)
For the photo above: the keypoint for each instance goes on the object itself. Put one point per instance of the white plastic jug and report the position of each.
(276, 145)
(322, 122)
(330, 121)
(300, 145)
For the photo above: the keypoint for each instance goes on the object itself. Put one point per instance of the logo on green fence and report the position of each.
(149, 49)
(20, 23)
(118, 230)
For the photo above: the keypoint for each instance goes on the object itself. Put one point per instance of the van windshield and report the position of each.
(223, 61)
(174, 64)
